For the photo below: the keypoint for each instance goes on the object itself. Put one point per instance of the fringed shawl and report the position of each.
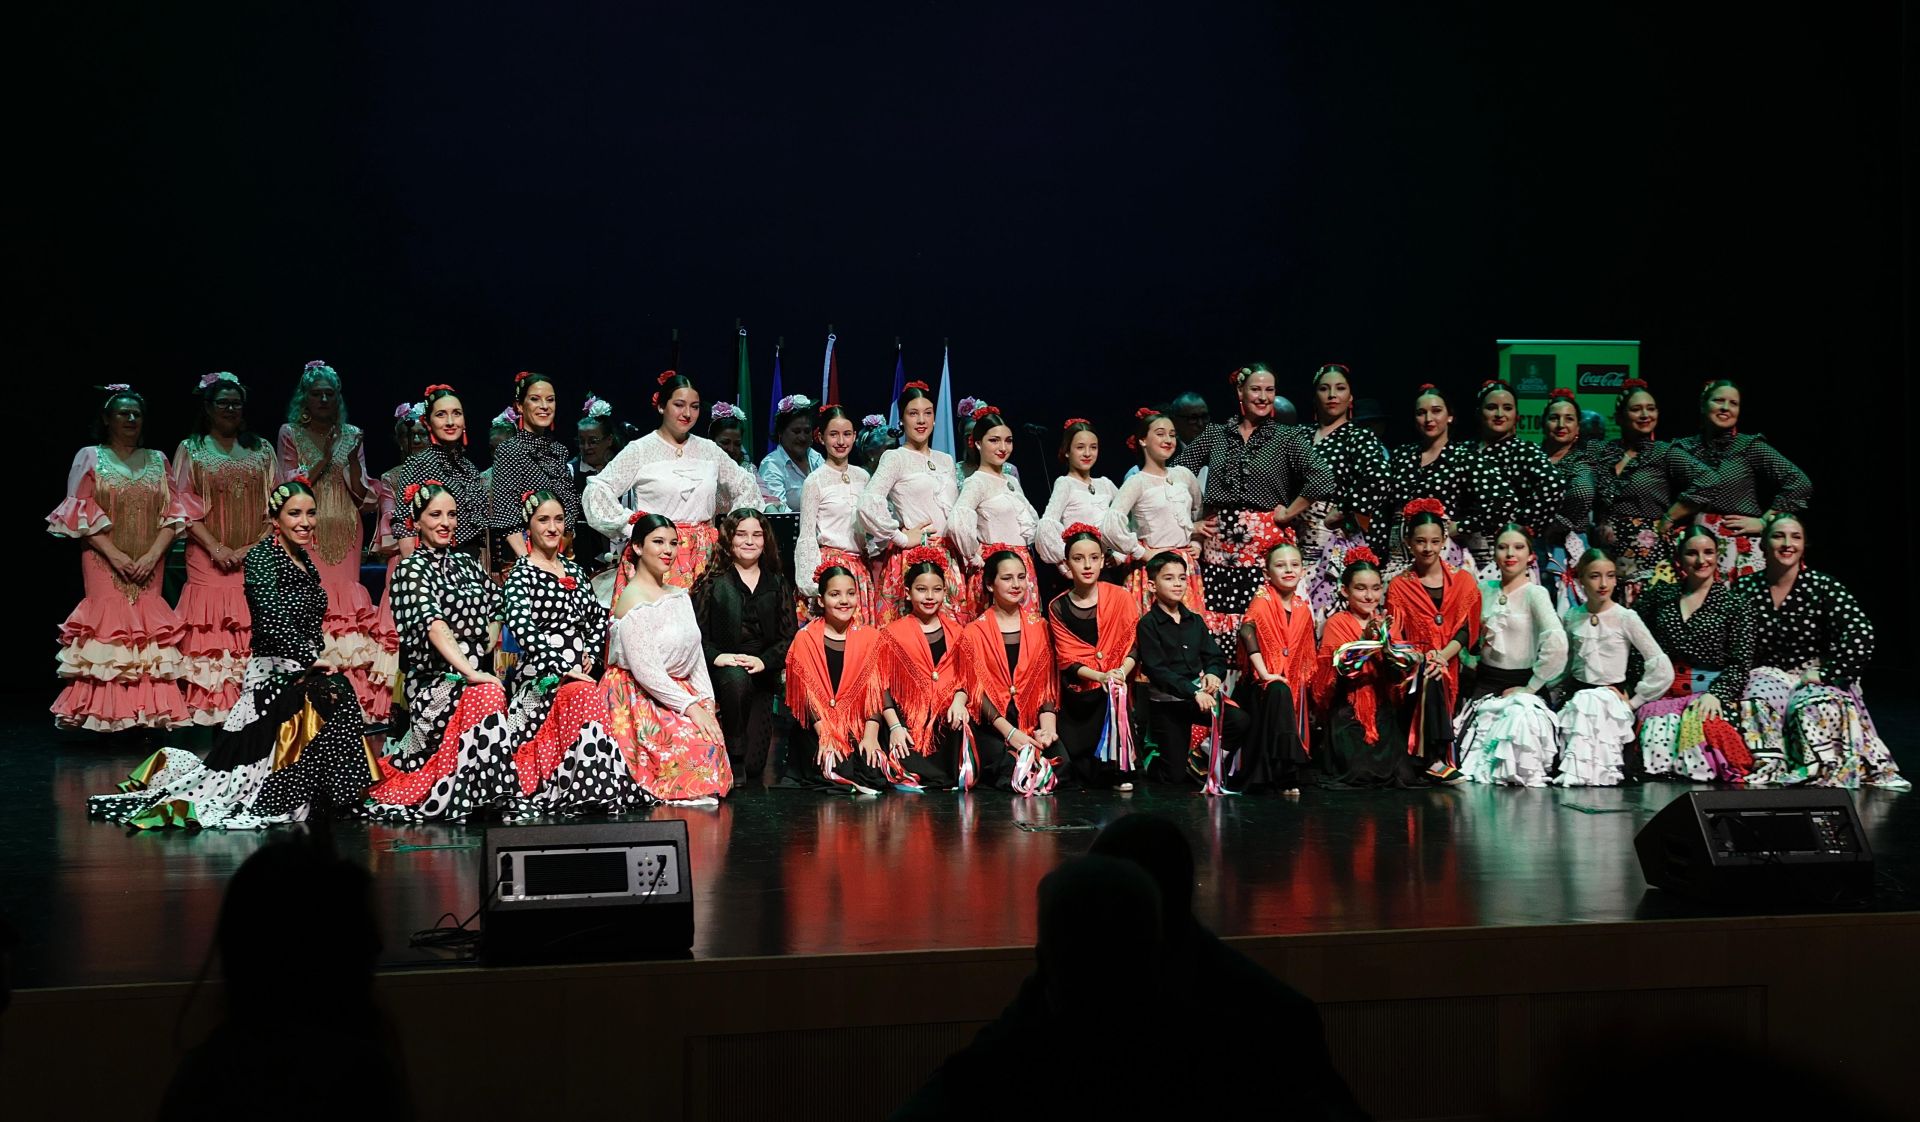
(1115, 621)
(838, 716)
(921, 690)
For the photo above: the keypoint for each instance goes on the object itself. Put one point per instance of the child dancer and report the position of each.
(833, 690)
(1505, 731)
(1364, 669)
(1011, 686)
(1277, 641)
(1093, 632)
(926, 708)
(1184, 666)
(1596, 724)
(1155, 509)
(1438, 609)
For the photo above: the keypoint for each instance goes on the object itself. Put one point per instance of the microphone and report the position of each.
(1036, 429)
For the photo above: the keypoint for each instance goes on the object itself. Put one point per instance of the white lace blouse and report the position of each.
(1153, 512)
(686, 487)
(659, 644)
(829, 516)
(1072, 501)
(907, 490)
(991, 508)
(1598, 646)
(1523, 633)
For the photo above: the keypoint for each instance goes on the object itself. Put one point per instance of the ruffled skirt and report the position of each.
(1508, 740)
(213, 609)
(1596, 729)
(571, 764)
(120, 658)
(1815, 734)
(663, 750)
(470, 771)
(355, 643)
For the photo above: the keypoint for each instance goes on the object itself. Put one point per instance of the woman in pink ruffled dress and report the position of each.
(317, 442)
(222, 475)
(120, 649)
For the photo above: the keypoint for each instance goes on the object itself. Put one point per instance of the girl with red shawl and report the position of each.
(833, 690)
(1359, 679)
(1438, 608)
(1277, 644)
(1012, 690)
(1093, 626)
(926, 708)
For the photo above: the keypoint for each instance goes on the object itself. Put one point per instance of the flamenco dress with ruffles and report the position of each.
(354, 645)
(224, 491)
(294, 744)
(657, 672)
(120, 648)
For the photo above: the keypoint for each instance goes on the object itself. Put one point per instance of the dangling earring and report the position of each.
(463, 438)
(305, 417)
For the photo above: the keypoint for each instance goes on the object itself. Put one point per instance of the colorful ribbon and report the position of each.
(1033, 773)
(898, 775)
(1116, 735)
(969, 759)
(1215, 784)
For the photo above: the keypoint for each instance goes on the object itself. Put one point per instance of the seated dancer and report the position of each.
(294, 744)
(1184, 666)
(1707, 629)
(744, 607)
(926, 704)
(565, 760)
(456, 758)
(833, 691)
(1803, 715)
(1277, 644)
(1012, 690)
(1596, 722)
(1363, 672)
(1154, 510)
(1093, 626)
(1437, 607)
(1505, 730)
(658, 692)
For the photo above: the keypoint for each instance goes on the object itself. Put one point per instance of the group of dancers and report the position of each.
(1259, 605)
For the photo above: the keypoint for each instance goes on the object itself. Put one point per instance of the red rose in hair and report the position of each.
(1072, 421)
(921, 553)
(634, 518)
(921, 386)
(820, 571)
(1424, 506)
(664, 375)
(1560, 393)
(1632, 384)
(1362, 553)
(1079, 528)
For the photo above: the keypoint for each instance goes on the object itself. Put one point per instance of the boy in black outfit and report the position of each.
(1184, 667)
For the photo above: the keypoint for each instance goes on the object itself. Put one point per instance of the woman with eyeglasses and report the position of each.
(120, 649)
(223, 474)
(319, 444)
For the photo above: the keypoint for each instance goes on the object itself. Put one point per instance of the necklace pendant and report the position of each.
(1503, 598)
(1593, 621)
(1438, 619)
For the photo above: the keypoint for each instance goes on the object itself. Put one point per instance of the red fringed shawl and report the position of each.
(1114, 620)
(1363, 690)
(1413, 614)
(986, 678)
(921, 690)
(1280, 632)
(838, 717)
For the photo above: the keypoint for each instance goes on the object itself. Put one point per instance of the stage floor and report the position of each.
(799, 873)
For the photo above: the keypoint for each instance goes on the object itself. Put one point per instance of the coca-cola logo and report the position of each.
(1609, 376)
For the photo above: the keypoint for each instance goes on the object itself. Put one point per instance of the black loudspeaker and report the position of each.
(1795, 847)
(604, 892)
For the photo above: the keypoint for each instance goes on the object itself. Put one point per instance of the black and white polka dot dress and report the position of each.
(565, 759)
(526, 462)
(249, 779)
(456, 471)
(1469, 484)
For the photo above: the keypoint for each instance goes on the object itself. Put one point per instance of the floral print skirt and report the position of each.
(1815, 734)
(664, 750)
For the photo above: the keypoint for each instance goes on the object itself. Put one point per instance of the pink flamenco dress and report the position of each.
(353, 636)
(120, 649)
(225, 492)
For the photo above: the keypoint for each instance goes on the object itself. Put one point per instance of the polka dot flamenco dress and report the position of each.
(293, 745)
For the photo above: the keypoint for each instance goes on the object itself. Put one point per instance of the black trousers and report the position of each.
(744, 703)
(1172, 723)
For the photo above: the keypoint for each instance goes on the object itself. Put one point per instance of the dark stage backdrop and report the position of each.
(1098, 206)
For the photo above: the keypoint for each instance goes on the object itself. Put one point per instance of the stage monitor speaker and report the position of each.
(599, 892)
(1800, 847)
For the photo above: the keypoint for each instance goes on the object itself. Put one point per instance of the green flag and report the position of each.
(743, 395)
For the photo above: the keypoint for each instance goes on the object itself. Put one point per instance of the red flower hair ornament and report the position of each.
(634, 518)
(1560, 393)
(930, 554)
(434, 389)
(1362, 553)
(921, 386)
(1424, 506)
(820, 572)
(1072, 421)
(1632, 384)
(1077, 529)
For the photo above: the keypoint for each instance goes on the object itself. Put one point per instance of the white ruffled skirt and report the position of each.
(1596, 728)
(1510, 740)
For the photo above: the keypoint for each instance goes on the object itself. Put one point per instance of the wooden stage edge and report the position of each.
(1504, 1010)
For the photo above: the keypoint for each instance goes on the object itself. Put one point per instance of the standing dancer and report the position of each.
(1277, 641)
(1011, 686)
(908, 503)
(295, 744)
(1642, 481)
(1596, 722)
(222, 475)
(1567, 530)
(1707, 629)
(1260, 476)
(1153, 511)
(1803, 715)
(565, 759)
(659, 694)
(120, 648)
(926, 700)
(390, 538)
(1093, 626)
(830, 529)
(1437, 607)
(992, 513)
(531, 459)
(1522, 468)
(728, 429)
(1078, 497)
(318, 444)
(1505, 730)
(1184, 668)
(1364, 671)
(785, 470)
(744, 607)
(1359, 463)
(834, 692)
(445, 461)
(1455, 475)
(673, 473)
(1747, 481)
(601, 438)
